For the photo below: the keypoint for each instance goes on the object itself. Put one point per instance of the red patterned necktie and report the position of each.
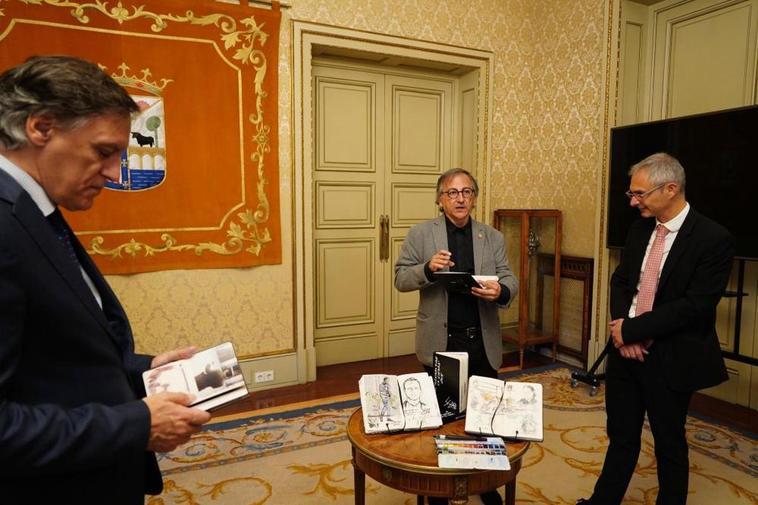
(649, 280)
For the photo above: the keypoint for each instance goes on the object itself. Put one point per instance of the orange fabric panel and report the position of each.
(200, 184)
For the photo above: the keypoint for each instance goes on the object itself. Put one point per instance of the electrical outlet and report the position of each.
(264, 376)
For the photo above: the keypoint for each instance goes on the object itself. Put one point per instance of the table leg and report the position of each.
(460, 491)
(510, 492)
(360, 485)
(419, 500)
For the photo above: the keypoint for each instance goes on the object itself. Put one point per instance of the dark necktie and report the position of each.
(61, 231)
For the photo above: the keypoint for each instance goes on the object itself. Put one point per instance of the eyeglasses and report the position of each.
(639, 195)
(466, 192)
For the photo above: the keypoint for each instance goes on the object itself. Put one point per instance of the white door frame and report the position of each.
(306, 36)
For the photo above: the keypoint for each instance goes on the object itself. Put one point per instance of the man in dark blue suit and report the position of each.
(74, 424)
(673, 271)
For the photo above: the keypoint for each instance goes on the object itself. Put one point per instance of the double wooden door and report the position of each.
(380, 141)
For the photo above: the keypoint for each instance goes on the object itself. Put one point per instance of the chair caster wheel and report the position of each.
(574, 383)
(593, 391)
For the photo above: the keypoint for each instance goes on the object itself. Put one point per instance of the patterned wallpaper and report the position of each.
(547, 148)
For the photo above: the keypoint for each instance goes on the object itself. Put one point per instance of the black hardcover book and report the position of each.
(457, 282)
(451, 383)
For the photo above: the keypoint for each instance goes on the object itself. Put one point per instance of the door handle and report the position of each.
(384, 237)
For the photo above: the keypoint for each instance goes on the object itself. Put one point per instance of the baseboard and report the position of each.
(282, 368)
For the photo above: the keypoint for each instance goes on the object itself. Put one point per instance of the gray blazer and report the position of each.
(421, 243)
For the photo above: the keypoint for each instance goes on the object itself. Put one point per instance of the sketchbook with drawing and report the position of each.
(398, 402)
(512, 410)
(212, 376)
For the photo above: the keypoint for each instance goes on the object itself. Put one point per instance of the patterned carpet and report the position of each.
(300, 454)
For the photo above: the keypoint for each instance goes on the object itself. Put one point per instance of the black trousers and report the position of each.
(633, 389)
(478, 364)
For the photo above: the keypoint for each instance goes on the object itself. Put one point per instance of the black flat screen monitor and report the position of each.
(719, 153)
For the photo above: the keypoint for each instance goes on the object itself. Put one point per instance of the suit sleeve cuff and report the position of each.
(505, 295)
(428, 272)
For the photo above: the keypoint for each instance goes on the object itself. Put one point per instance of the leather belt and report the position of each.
(471, 332)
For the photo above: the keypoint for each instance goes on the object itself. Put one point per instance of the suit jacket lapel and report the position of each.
(40, 231)
(477, 236)
(678, 247)
(439, 233)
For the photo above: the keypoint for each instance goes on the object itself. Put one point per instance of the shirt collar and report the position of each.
(674, 224)
(31, 186)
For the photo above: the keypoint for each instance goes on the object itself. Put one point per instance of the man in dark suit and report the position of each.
(74, 426)
(674, 269)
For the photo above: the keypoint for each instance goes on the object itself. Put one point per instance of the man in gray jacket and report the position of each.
(450, 320)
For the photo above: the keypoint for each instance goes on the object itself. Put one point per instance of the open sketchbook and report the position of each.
(398, 402)
(212, 376)
(512, 410)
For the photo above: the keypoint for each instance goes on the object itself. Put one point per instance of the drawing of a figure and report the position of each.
(412, 394)
(529, 395)
(384, 394)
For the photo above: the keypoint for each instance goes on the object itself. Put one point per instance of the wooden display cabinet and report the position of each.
(528, 232)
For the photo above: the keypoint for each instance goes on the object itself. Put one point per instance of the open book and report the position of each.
(212, 376)
(398, 402)
(451, 383)
(511, 410)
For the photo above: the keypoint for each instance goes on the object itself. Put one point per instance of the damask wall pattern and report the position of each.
(548, 105)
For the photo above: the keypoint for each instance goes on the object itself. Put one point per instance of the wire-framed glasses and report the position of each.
(466, 192)
(641, 195)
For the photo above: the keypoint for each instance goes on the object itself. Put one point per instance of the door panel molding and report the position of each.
(345, 205)
(412, 204)
(703, 56)
(415, 145)
(346, 282)
(346, 143)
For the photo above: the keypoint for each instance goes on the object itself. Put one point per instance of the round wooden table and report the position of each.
(407, 461)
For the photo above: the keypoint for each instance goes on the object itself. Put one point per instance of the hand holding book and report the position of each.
(213, 377)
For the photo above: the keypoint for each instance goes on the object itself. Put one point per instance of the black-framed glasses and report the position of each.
(641, 195)
(466, 192)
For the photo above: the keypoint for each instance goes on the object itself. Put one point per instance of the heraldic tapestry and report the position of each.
(199, 181)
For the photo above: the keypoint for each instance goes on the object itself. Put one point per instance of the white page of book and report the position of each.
(380, 399)
(520, 413)
(484, 398)
(419, 400)
(210, 374)
(482, 278)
